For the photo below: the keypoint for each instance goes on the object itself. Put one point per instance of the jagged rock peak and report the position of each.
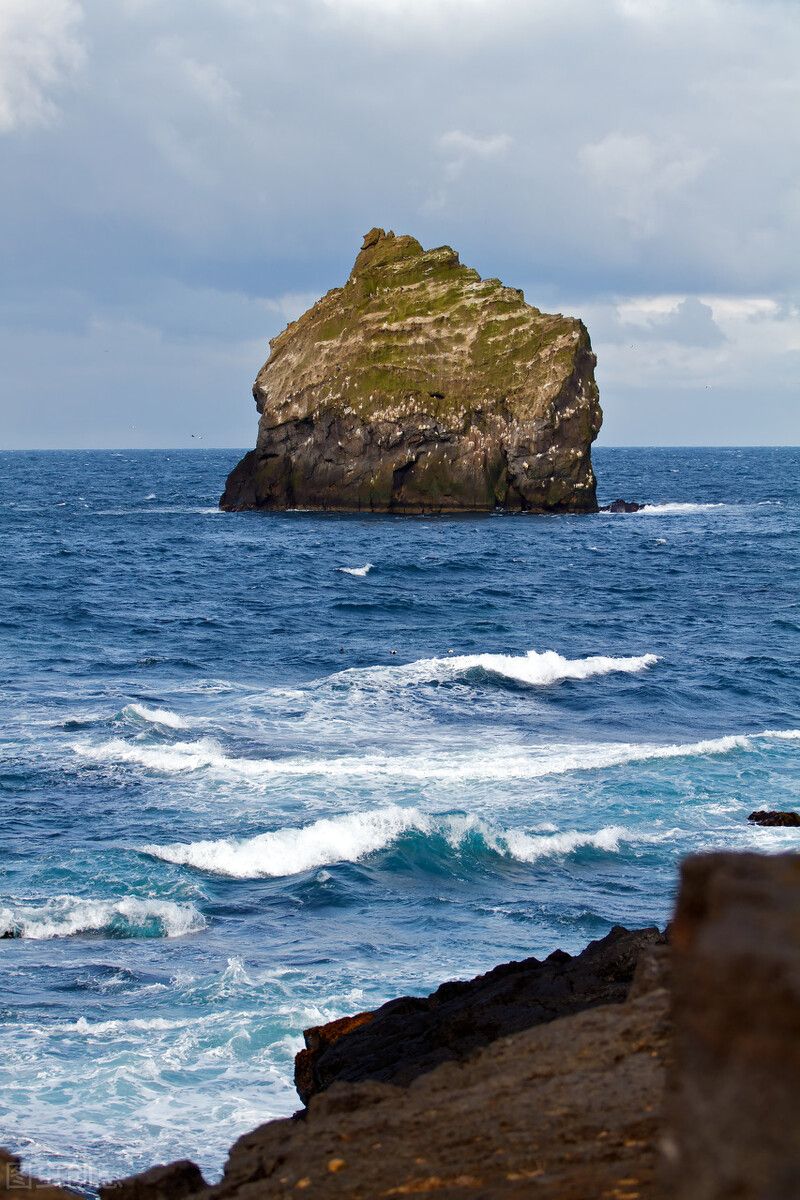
(418, 386)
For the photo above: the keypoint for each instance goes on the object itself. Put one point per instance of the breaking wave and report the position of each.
(490, 764)
(129, 917)
(154, 716)
(534, 669)
(359, 571)
(677, 509)
(355, 836)
(289, 851)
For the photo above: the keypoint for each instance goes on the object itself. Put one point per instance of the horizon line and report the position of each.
(247, 449)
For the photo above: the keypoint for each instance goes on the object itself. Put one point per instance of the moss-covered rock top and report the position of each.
(415, 329)
(418, 386)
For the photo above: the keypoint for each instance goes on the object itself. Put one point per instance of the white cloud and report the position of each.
(39, 51)
(461, 149)
(640, 154)
(634, 174)
(469, 145)
(429, 11)
(696, 370)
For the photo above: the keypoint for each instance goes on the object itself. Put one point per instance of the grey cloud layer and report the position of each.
(182, 175)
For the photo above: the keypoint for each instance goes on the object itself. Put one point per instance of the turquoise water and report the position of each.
(248, 784)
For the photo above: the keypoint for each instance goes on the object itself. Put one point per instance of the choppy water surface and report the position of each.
(257, 771)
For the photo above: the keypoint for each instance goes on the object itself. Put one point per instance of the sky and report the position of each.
(180, 178)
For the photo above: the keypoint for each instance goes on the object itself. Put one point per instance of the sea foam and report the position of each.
(289, 851)
(675, 509)
(359, 571)
(456, 766)
(129, 916)
(354, 836)
(536, 669)
(154, 716)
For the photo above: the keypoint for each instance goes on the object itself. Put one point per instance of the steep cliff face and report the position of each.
(420, 387)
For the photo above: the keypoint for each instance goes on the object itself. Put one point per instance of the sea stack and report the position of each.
(419, 387)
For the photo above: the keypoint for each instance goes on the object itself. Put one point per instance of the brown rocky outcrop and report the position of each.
(566, 1111)
(407, 1037)
(177, 1181)
(733, 1112)
(420, 387)
(689, 1089)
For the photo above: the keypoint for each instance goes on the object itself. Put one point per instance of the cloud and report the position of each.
(696, 370)
(636, 176)
(461, 150)
(39, 52)
(470, 145)
(201, 161)
(689, 323)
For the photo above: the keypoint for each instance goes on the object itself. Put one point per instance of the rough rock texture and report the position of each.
(774, 818)
(566, 1111)
(178, 1181)
(622, 506)
(734, 1095)
(409, 1036)
(420, 387)
(688, 1090)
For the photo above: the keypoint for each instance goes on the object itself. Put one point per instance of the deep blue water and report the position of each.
(244, 791)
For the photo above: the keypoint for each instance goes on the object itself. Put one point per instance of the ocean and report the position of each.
(261, 770)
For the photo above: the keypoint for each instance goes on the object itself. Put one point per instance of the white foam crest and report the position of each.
(352, 837)
(181, 756)
(122, 1028)
(530, 848)
(155, 716)
(537, 669)
(359, 571)
(489, 764)
(786, 735)
(292, 850)
(548, 843)
(676, 508)
(129, 916)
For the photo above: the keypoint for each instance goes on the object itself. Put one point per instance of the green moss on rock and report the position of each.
(422, 387)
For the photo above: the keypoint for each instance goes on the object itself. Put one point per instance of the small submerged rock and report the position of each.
(777, 819)
(621, 506)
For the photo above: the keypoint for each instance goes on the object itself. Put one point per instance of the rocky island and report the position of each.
(420, 387)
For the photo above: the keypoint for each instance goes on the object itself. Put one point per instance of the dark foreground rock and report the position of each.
(420, 387)
(407, 1037)
(733, 1110)
(566, 1111)
(177, 1181)
(15, 1182)
(687, 1090)
(774, 819)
